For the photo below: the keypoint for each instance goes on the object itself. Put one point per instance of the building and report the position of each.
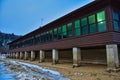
(90, 34)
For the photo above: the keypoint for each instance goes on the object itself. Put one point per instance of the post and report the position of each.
(32, 55)
(76, 57)
(21, 55)
(112, 57)
(42, 56)
(55, 56)
(26, 55)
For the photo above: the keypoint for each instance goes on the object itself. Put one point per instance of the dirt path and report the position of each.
(84, 72)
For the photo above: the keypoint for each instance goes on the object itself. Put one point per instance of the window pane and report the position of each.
(77, 32)
(64, 35)
(102, 26)
(92, 28)
(59, 33)
(77, 23)
(116, 15)
(69, 26)
(84, 21)
(100, 16)
(64, 29)
(91, 19)
(84, 30)
(55, 34)
(59, 30)
(116, 25)
(69, 33)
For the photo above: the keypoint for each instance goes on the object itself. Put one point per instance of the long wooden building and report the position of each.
(90, 34)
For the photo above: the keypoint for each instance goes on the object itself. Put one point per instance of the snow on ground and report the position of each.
(25, 71)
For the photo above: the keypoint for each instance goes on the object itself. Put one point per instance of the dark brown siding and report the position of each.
(99, 39)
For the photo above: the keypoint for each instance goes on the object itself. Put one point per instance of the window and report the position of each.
(77, 28)
(59, 33)
(69, 29)
(50, 35)
(116, 21)
(64, 31)
(55, 34)
(84, 26)
(92, 24)
(101, 21)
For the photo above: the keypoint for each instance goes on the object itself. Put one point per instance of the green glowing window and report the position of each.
(92, 24)
(84, 21)
(84, 26)
(69, 29)
(92, 28)
(64, 31)
(101, 16)
(84, 30)
(50, 32)
(102, 26)
(77, 28)
(59, 33)
(55, 34)
(91, 19)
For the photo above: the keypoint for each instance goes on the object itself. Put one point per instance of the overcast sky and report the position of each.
(23, 16)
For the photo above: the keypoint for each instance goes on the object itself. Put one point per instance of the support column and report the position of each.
(21, 55)
(55, 56)
(112, 57)
(17, 55)
(14, 56)
(32, 55)
(42, 56)
(26, 55)
(76, 57)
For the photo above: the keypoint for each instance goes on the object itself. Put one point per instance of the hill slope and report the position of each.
(6, 38)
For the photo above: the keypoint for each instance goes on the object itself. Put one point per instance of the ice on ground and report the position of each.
(25, 71)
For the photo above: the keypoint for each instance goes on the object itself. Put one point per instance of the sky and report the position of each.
(23, 16)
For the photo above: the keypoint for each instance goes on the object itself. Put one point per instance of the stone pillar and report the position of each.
(14, 56)
(112, 57)
(26, 55)
(17, 55)
(42, 56)
(21, 55)
(55, 56)
(32, 55)
(76, 56)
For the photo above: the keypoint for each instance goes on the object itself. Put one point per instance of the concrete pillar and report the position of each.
(17, 55)
(32, 55)
(76, 56)
(14, 56)
(55, 56)
(42, 56)
(26, 55)
(112, 57)
(21, 55)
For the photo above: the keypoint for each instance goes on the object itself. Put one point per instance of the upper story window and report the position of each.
(92, 24)
(60, 33)
(69, 29)
(101, 21)
(84, 26)
(77, 28)
(64, 31)
(116, 18)
(55, 34)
